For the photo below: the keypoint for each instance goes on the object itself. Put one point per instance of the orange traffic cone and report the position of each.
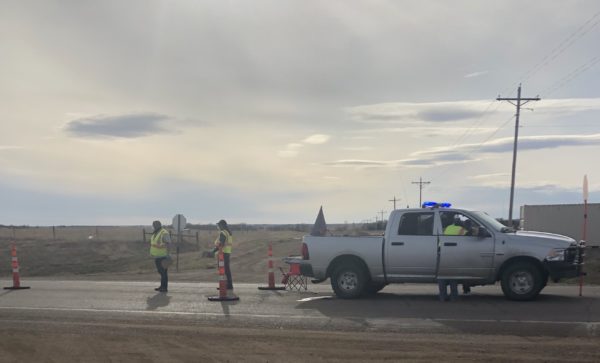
(271, 274)
(223, 296)
(15, 269)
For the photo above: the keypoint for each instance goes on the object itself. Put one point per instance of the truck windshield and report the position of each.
(491, 222)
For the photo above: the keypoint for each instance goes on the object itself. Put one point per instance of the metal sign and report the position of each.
(179, 223)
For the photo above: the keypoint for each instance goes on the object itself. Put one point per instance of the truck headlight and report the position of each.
(556, 254)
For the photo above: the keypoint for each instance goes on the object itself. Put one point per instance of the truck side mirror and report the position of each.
(483, 232)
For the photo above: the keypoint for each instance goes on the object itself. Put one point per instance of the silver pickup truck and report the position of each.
(427, 244)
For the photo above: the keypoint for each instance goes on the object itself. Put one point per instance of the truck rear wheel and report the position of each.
(522, 281)
(348, 281)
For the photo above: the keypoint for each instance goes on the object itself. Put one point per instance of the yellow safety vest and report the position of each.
(157, 247)
(454, 230)
(228, 241)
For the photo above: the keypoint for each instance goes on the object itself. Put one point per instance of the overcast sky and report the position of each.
(122, 112)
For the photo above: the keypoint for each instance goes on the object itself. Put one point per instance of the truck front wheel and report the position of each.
(522, 281)
(348, 281)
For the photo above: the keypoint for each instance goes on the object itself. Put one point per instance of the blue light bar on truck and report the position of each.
(436, 205)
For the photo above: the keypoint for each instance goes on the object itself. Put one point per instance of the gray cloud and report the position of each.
(469, 152)
(430, 112)
(448, 114)
(541, 142)
(465, 152)
(122, 126)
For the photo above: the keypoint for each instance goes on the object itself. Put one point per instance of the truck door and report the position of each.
(464, 254)
(411, 248)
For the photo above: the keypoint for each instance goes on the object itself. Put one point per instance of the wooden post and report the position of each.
(144, 235)
(53, 233)
(197, 240)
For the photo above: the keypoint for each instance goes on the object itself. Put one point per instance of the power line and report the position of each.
(563, 46)
(558, 50)
(571, 76)
(519, 103)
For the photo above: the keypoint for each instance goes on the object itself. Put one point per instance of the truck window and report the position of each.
(416, 224)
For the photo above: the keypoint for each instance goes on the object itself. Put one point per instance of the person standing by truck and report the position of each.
(225, 241)
(443, 287)
(159, 249)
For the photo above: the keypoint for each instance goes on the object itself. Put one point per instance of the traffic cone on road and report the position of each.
(223, 292)
(15, 269)
(271, 274)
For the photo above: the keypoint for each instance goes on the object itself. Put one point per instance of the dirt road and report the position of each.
(47, 341)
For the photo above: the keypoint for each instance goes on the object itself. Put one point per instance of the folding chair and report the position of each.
(293, 280)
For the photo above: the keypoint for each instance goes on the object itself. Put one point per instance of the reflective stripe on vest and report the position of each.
(157, 247)
(454, 230)
(228, 241)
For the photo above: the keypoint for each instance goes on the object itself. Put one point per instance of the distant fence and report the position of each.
(71, 233)
(174, 236)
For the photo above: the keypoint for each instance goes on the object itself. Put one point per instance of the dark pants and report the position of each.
(443, 287)
(164, 277)
(228, 271)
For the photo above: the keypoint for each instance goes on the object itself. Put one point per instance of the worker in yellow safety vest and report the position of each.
(455, 229)
(159, 249)
(225, 241)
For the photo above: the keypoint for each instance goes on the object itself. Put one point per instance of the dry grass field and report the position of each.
(119, 253)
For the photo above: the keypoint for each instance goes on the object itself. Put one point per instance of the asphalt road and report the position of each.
(63, 313)
(559, 311)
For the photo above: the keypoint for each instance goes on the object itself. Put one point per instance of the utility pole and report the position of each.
(520, 102)
(382, 212)
(394, 200)
(421, 183)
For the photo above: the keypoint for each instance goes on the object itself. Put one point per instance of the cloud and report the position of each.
(541, 142)
(10, 147)
(316, 139)
(356, 162)
(567, 105)
(358, 148)
(293, 149)
(472, 152)
(466, 152)
(488, 176)
(403, 112)
(476, 74)
(444, 114)
(423, 131)
(457, 111)
(122, 126)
